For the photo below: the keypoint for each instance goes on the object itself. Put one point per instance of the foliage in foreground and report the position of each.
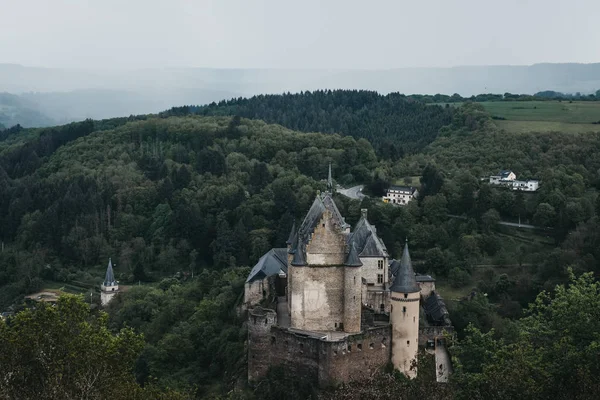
(65, 352)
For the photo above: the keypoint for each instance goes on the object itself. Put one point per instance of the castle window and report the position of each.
(405, 295)
(335, 325)
(382, 307)
(414, 319)
(323, 225)
(380, 264)
(379, 278)
(273, 339)
(266, 321)
(404, 309)
(359, 347)
(408, 342)
(355, 280)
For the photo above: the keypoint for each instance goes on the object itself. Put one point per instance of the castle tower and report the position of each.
(352, 291)
(109, 287)
(405, 296)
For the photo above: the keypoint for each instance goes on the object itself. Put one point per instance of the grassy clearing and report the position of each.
(577, 112)
(545, 126)
(415, 181)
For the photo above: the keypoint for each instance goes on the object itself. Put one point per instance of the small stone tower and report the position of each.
(352, 291)
(109, 287)
(405, 295)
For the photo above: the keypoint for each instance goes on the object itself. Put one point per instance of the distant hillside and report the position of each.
(17, 110)
(568, 78)
(394, 124)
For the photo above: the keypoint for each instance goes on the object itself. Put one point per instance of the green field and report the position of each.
(546, 116)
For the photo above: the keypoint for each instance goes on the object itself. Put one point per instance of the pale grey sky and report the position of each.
(365, 34)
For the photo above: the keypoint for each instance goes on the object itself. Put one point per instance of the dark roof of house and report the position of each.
(353, 260)
(109, 279)
(405, 281)
(435, 308)
(365, 238)
(269, 264)
(410, 189)
(504, 173)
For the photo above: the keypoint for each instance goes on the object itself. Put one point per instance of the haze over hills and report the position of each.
(64, 95)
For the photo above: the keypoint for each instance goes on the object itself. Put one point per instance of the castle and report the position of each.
(333, 307)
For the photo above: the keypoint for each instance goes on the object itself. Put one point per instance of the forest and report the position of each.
(186, 202)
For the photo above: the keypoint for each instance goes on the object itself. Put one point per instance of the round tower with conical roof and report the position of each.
(404, 317)
(110, 286)
(352, 291)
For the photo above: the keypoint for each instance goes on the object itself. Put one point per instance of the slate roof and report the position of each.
(109, 279)
(269, 264)
(424, 278)
(410, 189)
(504, 173)
(436, 310)
(364, 236)
(353, 260)
(322, 203)
(299, 259)
(405, 281)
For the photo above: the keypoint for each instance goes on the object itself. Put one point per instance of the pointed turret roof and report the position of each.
(353, 260)
(405, 281)
(293, 232)
(299, 259)
(109, 279)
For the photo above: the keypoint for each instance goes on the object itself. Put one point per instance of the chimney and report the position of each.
(363, 213)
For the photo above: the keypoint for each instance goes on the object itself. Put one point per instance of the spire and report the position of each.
(109, 279)
(299, 259)
(353, 260)
(405, 281)
(329, 181)
(292, 236)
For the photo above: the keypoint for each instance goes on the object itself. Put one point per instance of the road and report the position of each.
(355, 192)
(505, 223)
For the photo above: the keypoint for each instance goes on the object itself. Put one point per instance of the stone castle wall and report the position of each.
(371, 269)
(323, 362)
(327, 245)
(317, 298)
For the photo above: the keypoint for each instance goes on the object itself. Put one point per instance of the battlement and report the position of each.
(326, 358)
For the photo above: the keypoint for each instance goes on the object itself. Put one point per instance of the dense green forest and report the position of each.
(394, 124)
(185, 204)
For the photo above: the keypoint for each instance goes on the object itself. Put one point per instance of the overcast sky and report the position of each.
(365, 34)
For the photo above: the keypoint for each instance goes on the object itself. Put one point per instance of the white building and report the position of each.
(530, 185)
(401, 195)
(502, 177)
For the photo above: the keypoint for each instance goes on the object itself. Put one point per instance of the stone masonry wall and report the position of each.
(323, 362)
(317, 298)
(371, 270)
(260, 322)
(327, 245)
(355, 358)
